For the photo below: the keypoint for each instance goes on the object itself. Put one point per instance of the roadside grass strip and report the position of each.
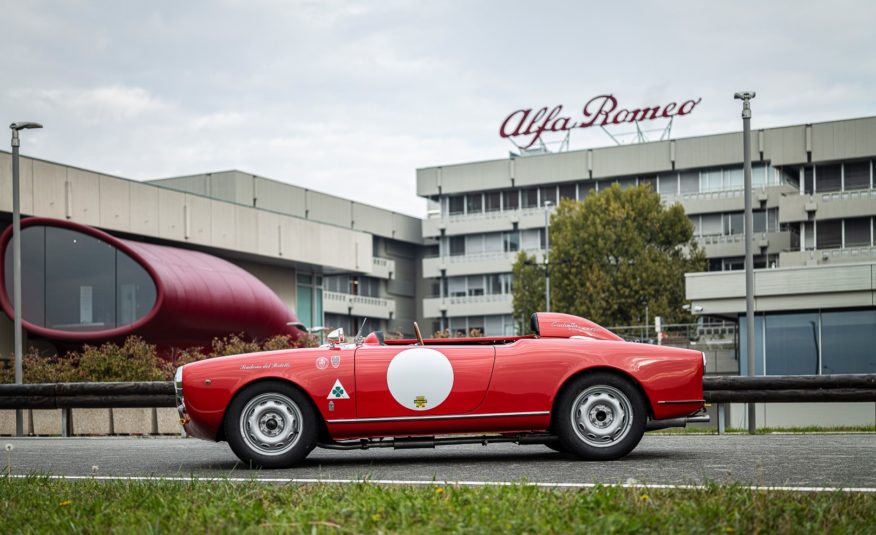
(42, 504)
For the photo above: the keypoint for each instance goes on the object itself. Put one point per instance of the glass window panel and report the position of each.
(33, 274)
(808, 180)
(303, 299)
(758, 176)
(510, 200)
(473, 203)
(493, 326)
(695, 221)
(827, 178)
(857, 175)
(548, 193)
(760, 220)
(136, 290)
(511, 241)
(475, 285)
(507, 282)
(735, 223)
(758, 345)
(305, 279)
(848, 339)
(494, 284)
(710, 180)
(456, 204)
(567, 191)
(792, 344)
(491, 201)
(829, 234)
(80, 282)
(649, 181)
(772, 220)
(474, 243)
(458, 328)
(857, 231)
(530, 197)
(809, 235)
(493, 242)
(668, 184)
(711, 224)
(735, 179)
(530, 239)
(457, 245)
(456, 286)
(689, 182)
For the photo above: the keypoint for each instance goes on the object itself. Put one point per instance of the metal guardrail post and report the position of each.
(721, 423)
(66, 422)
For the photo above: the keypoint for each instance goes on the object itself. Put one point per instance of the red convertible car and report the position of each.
(572, 385)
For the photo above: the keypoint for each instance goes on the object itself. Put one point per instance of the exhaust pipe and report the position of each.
(654, 425)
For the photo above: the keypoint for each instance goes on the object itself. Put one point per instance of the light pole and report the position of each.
(16, 261)
(547, 246)
(745, 97)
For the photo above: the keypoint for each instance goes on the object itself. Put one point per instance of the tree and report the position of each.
(619, 251)
(527, 289)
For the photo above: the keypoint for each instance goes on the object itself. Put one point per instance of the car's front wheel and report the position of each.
(600, 416)
(271, 424)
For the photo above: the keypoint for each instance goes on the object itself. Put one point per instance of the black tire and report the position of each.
(271, 424)
(600, 417)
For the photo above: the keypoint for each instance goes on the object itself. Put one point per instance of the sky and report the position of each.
(352, 97)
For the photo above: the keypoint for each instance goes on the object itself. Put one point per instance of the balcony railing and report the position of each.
(358, 305)
(857, 195)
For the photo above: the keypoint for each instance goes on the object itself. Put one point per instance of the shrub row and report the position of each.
(135, 360)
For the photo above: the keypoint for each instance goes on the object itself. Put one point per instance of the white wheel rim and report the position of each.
(601, 416)
(270, 424)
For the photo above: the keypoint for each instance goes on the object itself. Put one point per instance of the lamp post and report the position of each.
(547, 246)
(16, 260)
(745, 97)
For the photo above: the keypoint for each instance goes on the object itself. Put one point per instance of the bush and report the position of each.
(135, 360)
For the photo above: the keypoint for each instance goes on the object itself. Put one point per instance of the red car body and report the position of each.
(497, 385)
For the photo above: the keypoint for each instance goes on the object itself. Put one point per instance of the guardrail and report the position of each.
(716, 389)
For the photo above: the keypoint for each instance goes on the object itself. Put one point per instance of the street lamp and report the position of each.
(547, 246)
(745, 97)
(16, 260)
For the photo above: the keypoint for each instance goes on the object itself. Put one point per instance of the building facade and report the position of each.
(297, 242)
(814, 205)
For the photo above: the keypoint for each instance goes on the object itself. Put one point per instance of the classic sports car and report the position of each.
(572, 385)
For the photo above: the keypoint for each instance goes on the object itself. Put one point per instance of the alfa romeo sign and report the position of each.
(527, 125)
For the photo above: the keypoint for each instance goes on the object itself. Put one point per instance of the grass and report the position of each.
(40, 505)
(768, 430)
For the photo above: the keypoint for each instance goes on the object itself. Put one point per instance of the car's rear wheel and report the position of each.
(271, 424)
(600, 416)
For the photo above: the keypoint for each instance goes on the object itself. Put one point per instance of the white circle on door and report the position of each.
(419, 378)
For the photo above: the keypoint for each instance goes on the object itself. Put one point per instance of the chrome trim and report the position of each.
(681, 401)
(441, 417)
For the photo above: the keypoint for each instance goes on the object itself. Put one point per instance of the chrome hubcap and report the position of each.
(601, 416)
(271, 424)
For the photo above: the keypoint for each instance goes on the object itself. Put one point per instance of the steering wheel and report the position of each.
(419, 336)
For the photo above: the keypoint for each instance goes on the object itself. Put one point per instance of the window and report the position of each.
(33, 278)
(808, 229)
(491, 201)
(829, 234)
(847, 341)
(857, 232)
(711, 224)
(474, 203)
(734, 178)
(474, 244)
(530, 197)
(733, 223)
(493, 242)
(857, 175)
(475, 285)
(758, 176)
(456, 204)
(457, 245)
(567, 191)
(828, 178)
(711, 180)
(530, 239)
(808, 180)
(689, 182)
(667, 184)
(456, 286)
(760, 220)
(695, 221)
(548, 194)
(511, 241)
(792, 344)
(511, 200)
(650, 181)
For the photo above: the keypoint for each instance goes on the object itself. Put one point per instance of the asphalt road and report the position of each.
(816, 460)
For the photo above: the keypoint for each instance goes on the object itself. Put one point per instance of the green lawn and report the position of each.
(39, 505)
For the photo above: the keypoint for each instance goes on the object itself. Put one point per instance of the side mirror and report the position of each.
(336, 336)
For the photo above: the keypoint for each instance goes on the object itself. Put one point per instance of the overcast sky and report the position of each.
(352, 97)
